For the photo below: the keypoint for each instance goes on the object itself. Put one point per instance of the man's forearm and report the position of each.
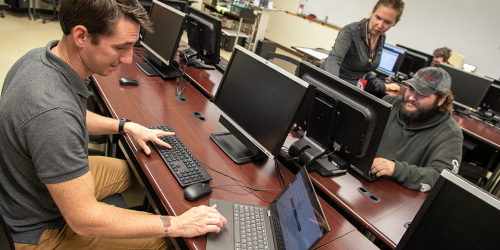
(100, 125)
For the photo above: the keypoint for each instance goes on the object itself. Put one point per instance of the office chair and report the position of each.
(53, 17)
(6, 241)
(2, 15)
(285, 62)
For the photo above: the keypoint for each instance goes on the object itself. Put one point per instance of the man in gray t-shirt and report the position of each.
(48, 188)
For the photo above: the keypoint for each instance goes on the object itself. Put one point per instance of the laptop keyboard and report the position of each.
(280, 242)
(179, 160)
(249, 228)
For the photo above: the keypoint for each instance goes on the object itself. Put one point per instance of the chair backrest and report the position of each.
(456, 59)
(6, 241)
(285, 62)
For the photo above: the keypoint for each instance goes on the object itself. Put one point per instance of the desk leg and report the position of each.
(238, 33)
(255, 28)
(493, 181)
(34, 10)
(260, 29)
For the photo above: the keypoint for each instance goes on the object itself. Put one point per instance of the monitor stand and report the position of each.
(199, 64)
(316, 158)
(235, 149)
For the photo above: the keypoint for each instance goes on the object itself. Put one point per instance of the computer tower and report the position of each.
(265, 46)
(228, 40)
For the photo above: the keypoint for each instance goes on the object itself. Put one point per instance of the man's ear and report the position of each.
(441, 101)
(80, 35)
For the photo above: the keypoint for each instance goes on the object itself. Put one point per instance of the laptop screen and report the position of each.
(299, 213)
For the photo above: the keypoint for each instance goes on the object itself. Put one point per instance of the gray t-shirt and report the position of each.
(44, 140)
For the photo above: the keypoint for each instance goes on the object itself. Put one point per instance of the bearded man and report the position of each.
(421, 138)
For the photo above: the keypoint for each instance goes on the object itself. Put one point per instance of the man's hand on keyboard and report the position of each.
(142, 135)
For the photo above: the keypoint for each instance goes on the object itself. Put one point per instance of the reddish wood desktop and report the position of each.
(398, 205)
(153, 103)
(206, 80)
(385, 219)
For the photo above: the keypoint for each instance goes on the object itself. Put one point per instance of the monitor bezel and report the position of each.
(150, 51)
(457, 103)
(207, 20)
(182, 4)
(446, 177)
(333, 85)
(271, 153)
(429, 56)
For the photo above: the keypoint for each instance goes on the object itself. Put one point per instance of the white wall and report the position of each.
(290, 30)
(468, 27)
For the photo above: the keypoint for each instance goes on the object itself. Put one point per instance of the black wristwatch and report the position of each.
(122, 123)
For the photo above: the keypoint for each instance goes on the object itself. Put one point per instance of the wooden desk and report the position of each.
(314, 56)
(153, 103)
(490, 136)
(386, 218)
(206, 80)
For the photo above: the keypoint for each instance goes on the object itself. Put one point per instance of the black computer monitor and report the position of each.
(456, 215)
(468, 88)
(412, 63)
(341, 120)
(178, 5)
(414, 60)
(204, 37)
(161, 45)
(258, 101)
(392, 58)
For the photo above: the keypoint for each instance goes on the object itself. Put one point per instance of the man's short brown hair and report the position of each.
(100, 16)
(443, 52)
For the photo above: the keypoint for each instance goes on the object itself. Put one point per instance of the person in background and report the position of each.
(49, 186)
(421, 138)
(358, 47)
(441, 55)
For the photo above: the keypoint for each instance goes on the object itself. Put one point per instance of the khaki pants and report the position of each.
(111, 176)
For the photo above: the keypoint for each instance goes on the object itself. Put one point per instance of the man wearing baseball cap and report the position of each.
(421, 138)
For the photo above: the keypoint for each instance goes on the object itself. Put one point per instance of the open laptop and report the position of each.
(294, 220)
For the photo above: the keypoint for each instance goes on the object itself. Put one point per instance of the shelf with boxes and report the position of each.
(243, 20)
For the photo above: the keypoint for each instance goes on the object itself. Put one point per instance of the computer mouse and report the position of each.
(197, 191)
(128, 81)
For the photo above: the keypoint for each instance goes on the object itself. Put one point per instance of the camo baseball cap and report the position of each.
(430, 80)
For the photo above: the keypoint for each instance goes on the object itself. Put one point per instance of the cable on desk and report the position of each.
(243, 185)
(178, 91)
(281, 179)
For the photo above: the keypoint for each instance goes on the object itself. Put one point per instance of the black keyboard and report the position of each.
(183, 165)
